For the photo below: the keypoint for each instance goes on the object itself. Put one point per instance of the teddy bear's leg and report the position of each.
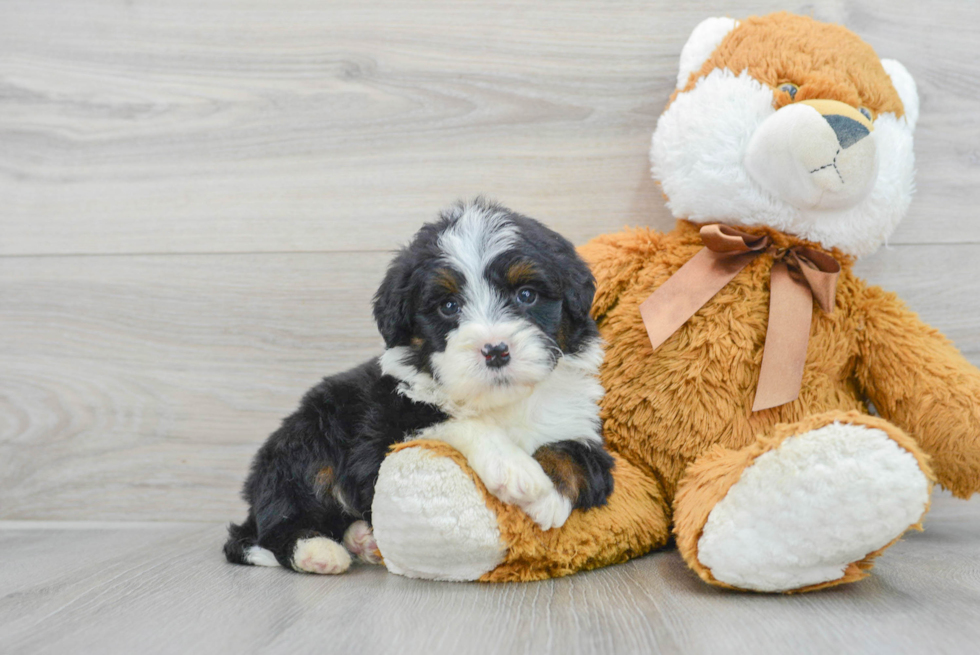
(807, 507)
(433, 518)
(430, 519)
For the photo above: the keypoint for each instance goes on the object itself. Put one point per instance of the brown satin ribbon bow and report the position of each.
(799, 275)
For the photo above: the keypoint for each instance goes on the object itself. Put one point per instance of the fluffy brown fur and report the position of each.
(696, 391)
(690, 402)
(825, 61)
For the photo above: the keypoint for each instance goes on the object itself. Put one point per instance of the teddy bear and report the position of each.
(783, 421)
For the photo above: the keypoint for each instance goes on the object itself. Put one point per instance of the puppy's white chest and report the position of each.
(520, 424)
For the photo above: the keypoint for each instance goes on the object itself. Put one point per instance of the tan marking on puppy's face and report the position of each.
(521, 273)
(562, 338)
(444, 278)
(568, 477)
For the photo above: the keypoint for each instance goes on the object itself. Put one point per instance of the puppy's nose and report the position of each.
(497, 356)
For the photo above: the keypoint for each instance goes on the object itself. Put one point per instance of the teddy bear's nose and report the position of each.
(842, 116)
(814, 154)
(848, 130)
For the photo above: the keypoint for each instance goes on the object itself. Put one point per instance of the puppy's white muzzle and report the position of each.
(466, 374)
(815, 154)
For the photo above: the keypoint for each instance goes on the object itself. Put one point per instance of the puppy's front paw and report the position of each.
(550, 510)
(517, 481)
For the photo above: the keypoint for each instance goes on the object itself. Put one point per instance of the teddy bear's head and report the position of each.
(787, 122)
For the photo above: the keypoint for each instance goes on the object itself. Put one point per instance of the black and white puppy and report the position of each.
(490, 348)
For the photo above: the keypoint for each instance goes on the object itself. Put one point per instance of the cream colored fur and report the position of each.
(320, 555)
(430, 521)
(703, 40)
(359, 541)
(804, 511)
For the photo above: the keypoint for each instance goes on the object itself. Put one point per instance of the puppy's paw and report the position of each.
(320, 555)
(517, 480)
(549, 511)
(359, 540)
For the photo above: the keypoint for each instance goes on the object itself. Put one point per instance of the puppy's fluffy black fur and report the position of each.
(316, 474)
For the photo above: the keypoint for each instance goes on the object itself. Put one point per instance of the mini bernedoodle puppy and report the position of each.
(490, 348)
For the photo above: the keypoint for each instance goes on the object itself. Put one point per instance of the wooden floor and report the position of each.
(197, 200)
(149, 588)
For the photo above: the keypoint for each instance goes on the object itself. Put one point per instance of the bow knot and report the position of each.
(799, 276)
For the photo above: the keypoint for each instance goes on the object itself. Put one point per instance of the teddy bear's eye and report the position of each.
(790, 88)
(866, 112)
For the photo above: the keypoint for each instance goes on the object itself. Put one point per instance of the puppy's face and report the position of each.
(486, 302)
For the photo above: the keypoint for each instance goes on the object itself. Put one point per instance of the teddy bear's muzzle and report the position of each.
(814, 154)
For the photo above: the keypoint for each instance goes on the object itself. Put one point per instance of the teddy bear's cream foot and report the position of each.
(431, 521)
(806, 508)
(434, 518)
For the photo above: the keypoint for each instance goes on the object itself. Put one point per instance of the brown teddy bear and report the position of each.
(742, 352)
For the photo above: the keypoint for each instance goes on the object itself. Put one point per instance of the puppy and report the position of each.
(490, 348)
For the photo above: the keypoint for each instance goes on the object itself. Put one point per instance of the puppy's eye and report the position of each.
(866, 112)
(527, 296)
(789, 88)
(449, 308)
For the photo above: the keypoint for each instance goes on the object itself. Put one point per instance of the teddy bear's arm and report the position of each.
(917, 379)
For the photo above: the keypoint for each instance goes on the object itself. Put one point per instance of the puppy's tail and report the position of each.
(241, 540)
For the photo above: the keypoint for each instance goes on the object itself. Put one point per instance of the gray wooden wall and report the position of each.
(197, 200)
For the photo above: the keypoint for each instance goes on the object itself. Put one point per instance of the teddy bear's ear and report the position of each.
(702, 42)
(905, 86)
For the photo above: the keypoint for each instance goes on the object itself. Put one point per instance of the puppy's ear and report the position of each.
(394, 301)
(576, 306)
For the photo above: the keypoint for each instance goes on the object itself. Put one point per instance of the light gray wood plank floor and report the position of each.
(165, 588)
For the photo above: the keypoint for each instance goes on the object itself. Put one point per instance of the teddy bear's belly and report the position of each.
(662, 409)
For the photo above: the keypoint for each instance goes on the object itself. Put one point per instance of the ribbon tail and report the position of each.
(687, 290)
(787, 336)
(821, 272)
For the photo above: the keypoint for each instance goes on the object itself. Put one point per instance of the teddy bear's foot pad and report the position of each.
(431, 521)
(802, 513)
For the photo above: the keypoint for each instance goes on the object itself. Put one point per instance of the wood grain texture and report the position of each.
(168, 590)
(139, 387)
(197, 200)
(321, 125)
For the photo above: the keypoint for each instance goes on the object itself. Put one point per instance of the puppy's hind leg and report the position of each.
(243, 547)
(316, 554)
(298, 546)
(359, 540)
